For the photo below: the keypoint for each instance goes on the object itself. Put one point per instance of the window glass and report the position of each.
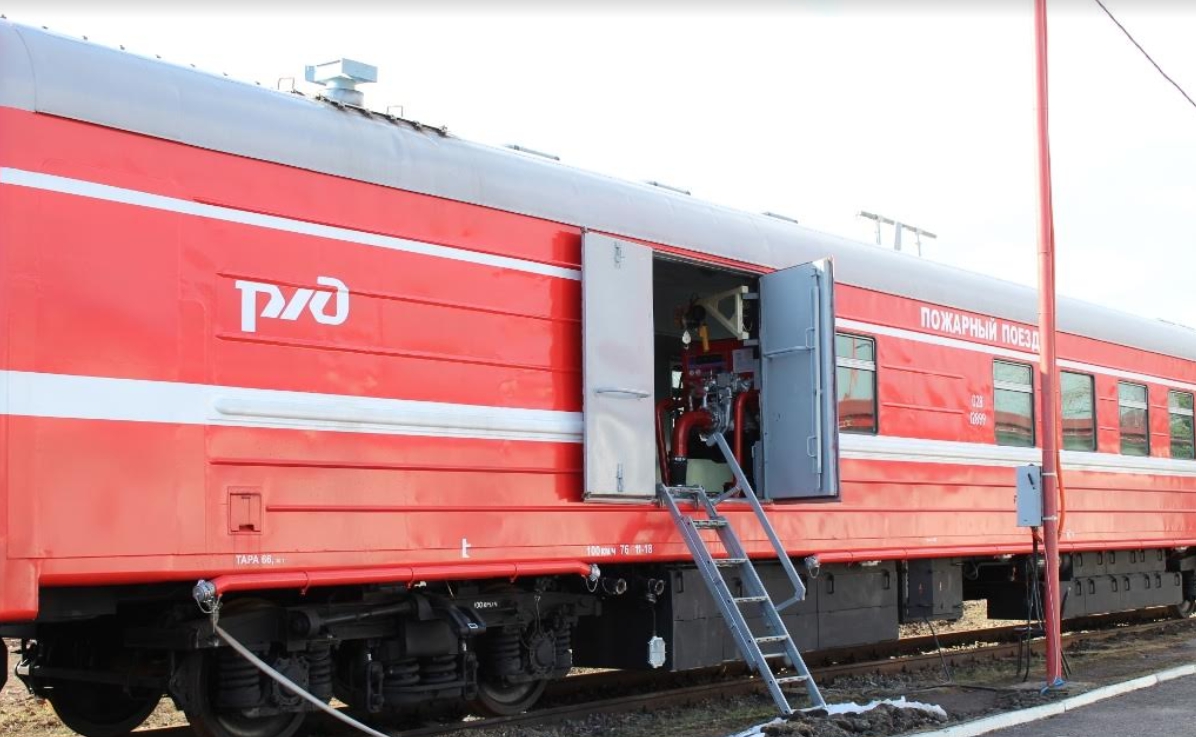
(1183, 438)
(1014, 373)
(853, 346)
(856, 378)
(1013, 403)
(1135, 419)
(1079, 411)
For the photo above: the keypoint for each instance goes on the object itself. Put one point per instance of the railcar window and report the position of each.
(1079, 411)
(1135, 419)
(1183, 434)
(1013, 403)
(855, 373)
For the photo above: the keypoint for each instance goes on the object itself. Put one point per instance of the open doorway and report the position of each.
(705, 321)
(678, 352)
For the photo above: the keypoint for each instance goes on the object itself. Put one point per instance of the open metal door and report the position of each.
(617, 327)
(798, 403)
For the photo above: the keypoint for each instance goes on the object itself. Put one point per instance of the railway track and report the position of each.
(949, 649)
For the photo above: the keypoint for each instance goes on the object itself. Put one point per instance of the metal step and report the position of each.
(729, 562)
(753, 591)
(750, 599)
(792, 679)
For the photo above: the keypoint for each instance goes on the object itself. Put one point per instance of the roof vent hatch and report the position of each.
(340, 79)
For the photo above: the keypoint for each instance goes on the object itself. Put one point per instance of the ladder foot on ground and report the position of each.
(754, 594)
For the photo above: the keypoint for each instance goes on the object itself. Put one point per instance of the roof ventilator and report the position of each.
(340, 79)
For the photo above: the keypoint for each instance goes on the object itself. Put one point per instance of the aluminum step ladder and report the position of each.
(757, 650)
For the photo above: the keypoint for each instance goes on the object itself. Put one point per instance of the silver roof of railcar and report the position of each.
(71, 78)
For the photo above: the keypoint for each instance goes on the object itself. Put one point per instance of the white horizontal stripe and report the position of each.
(133, 400)
(967, 345)
(93, 190)
(916, 450)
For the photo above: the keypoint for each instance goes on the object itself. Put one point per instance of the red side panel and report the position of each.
(161, 425)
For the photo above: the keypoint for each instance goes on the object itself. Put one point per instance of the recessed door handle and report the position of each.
(632, 393)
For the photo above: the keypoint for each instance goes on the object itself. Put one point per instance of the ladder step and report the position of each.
(729, 562)
(750, 599)
(792, 679)
(706, 524)
(771, 638)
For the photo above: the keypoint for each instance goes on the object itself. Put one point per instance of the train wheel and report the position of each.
(100, 709)
(1185, 609)
(199, 684)
(501, 701)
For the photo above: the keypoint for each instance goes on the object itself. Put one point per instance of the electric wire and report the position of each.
(939, 647)
(1036, 615)
(1144, 53)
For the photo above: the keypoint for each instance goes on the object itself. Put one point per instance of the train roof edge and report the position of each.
(50, 73)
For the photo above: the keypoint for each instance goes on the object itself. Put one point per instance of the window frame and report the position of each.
(1092, 407)
(860, 364)
(1182, 412)
(1133, 404)
(1020, 388)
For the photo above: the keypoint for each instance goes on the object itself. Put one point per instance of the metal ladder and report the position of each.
(754, 593)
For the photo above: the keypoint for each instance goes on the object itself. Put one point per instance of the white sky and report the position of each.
(923, 111)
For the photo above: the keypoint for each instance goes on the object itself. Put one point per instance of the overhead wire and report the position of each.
(1146, 54)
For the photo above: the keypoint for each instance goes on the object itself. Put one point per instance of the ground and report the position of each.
(969, 692)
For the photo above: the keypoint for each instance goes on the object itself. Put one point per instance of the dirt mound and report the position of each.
(883, 720)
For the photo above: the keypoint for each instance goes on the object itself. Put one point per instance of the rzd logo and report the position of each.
(279, 308)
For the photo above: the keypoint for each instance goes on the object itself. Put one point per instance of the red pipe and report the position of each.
(741, 405)
(686, 424)
(1048, 367)
(663, 407)
(698, 419)
(398, 574)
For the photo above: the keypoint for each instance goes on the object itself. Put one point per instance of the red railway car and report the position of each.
(403, 401)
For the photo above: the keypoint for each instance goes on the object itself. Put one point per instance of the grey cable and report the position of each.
(939, 647)
(291, 686)
(1148, 57)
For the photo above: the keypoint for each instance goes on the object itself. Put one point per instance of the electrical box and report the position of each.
(931, 588)
(1029, 496)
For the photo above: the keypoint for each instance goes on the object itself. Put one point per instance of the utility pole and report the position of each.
(1048, 368)
(898, 227)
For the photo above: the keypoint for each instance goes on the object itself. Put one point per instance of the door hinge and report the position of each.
(619, 478)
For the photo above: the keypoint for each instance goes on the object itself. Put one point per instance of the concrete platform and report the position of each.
(1165, 710)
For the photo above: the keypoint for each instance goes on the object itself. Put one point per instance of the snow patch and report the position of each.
(850, 708)
(900, 703)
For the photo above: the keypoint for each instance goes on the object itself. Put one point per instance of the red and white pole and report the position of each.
(1048, 368)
